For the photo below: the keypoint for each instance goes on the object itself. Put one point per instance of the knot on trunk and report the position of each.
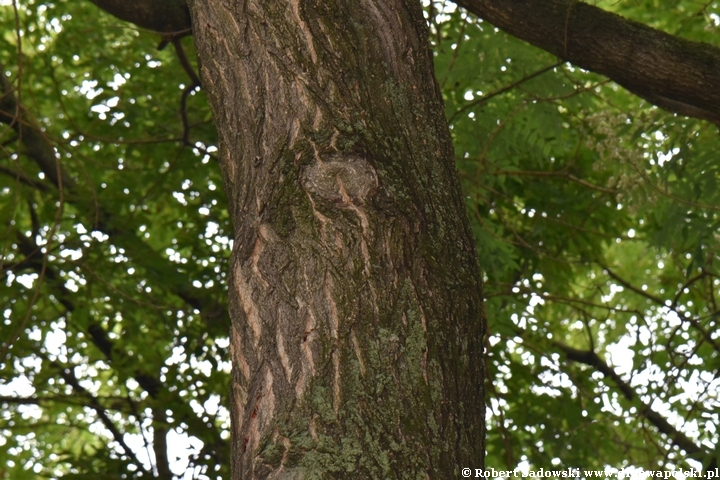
(340, 178)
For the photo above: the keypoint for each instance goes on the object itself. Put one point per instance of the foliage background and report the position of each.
(595, 213)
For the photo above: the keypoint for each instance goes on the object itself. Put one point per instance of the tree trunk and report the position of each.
(355, 295)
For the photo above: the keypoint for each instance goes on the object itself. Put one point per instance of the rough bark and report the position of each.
(355, 295)
(675, 74)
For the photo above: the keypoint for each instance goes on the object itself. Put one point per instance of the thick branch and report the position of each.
(675, 74)
(164, 16)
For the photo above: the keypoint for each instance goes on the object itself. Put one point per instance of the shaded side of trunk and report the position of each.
(355, 295)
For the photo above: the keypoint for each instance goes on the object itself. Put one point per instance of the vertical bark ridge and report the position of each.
(355, 294)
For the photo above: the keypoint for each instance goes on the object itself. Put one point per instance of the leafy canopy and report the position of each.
(595, 214)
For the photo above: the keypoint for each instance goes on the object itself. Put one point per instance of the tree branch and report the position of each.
(160, 431)
(561, 174)
(590, 358)
(501, 90)
(76, 400)
(23, 178)
(69, 377)
(39, 149)
(187, 90)
(99, 337)
(660, 302)
(164, 16)
(675, 74)
(35, 142)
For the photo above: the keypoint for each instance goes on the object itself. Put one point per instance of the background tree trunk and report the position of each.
(355, 295)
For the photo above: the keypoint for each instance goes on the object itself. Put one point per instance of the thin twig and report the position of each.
(502, 90)
(562, 174)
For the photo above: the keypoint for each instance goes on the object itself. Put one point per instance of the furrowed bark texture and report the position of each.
(671, 72)
(355, 293)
